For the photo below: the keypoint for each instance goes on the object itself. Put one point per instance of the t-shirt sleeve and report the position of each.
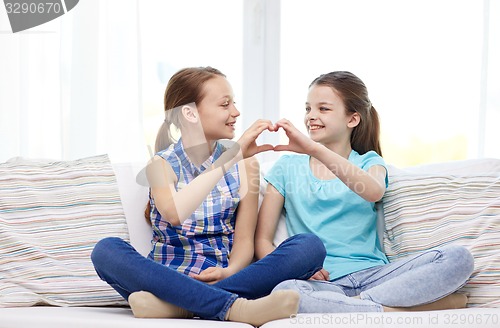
(370, 159)
(277, 174)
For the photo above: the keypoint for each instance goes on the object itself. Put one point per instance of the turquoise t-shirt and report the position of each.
(345, 222)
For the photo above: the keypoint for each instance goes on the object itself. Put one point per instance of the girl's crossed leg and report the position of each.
(407, 284)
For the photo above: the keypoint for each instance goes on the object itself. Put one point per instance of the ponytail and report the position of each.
(164, 138)
(365, 136)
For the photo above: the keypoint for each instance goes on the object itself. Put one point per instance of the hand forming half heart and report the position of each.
(297, 141)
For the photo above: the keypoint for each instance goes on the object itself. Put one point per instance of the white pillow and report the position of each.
(51, 216)
(448, 203)
(134, 198)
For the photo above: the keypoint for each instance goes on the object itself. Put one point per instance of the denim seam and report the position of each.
(222, 314)
(376, 305)
(310, 291)
(119, 286)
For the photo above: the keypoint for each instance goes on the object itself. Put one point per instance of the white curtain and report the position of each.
(489, 136)
(72, 87)
(431, 68)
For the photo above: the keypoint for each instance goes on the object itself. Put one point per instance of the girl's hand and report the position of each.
(297, 141)
(211, 275)
(247, 140)
(321, 275)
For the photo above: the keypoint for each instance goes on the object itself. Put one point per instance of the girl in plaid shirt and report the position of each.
(203, 209)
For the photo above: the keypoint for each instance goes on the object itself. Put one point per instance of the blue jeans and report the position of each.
(419, 280)
(127, 271)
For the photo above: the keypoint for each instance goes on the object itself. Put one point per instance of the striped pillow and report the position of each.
(51, 216)
(426, 210)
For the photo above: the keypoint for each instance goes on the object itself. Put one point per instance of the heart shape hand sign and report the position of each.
(297, 141)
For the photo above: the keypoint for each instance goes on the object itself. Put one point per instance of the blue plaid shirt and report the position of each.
(205, 238)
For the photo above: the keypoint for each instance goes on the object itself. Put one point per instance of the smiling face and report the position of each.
(325, 116)
(217, 109)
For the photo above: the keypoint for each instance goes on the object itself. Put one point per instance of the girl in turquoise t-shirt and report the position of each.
(330, 188)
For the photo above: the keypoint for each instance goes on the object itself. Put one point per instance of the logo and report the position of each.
(25, 14)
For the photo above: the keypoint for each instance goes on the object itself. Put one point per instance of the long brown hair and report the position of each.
(353, 92)
(184, 87)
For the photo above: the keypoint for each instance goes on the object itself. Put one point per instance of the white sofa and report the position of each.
(397, 232)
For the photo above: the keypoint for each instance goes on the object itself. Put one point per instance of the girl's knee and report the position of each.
(315, 242)
(463, 256)
(103, 249)
(460, 259)
(313, 247)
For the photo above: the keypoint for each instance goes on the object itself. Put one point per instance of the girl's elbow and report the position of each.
(375, 196)
(174, 221)
(259, 254)
(261, 248)
(258, 249)
(170, 216)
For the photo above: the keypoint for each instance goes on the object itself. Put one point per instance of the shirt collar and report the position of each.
(186, 162)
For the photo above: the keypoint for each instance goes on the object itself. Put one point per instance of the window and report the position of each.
(182, 34)
(70, 88)
(421, 62)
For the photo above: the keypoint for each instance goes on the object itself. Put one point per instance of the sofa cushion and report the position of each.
(51, 216)
(448, 203)
(98, 317)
